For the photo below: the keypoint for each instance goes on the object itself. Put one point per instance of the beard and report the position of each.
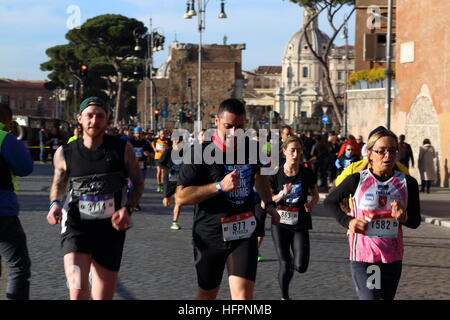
(100, 130)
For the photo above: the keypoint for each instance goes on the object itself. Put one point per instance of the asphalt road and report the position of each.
(158, 262)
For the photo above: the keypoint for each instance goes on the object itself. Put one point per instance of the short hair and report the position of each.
(401, 137)
(5, 113)
(233, 106)
(286, 127)
(426, 141)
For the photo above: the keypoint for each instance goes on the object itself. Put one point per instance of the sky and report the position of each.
(29, 27)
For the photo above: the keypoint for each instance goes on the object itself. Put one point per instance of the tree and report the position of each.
(109, 36)
(331, 7)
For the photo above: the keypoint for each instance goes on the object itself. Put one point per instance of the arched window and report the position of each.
(305, 72)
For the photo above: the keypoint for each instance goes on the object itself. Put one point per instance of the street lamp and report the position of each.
(155, 42)
(345, 36)
(388, 71)
(201, 26)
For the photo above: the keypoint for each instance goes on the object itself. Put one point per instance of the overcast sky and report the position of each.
(29, 27)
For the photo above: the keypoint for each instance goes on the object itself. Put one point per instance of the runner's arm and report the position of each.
(262, 186)
(60, 176)
(195, 194)
(413, 206)
(134, 173)
(343, 191)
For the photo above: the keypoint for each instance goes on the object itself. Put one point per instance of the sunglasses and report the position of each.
(382, 152)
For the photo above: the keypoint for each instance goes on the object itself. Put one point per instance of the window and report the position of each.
(305, 72)
(339, 75)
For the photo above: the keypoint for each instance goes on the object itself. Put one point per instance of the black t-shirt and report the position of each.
(207, 229)
(139, 146)
(301, 184)
(171, 169)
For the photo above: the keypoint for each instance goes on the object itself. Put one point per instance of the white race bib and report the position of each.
(96, 207)
(288, 215)
(381, 224)
(239, 226)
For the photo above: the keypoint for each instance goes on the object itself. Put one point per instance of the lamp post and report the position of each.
(345, 36)
(388, 71)
(154, 42)
(190, 12)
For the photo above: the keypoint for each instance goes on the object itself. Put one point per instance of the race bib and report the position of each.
(239, 226)
(160, 147)
(288, 215)
(381, 224)
(96, 207)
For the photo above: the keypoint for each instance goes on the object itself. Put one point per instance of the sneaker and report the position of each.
(260, 258)
(175, 226)
(138, 208)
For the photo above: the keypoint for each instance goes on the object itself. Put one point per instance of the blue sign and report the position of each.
(325, 119)
(164, 113)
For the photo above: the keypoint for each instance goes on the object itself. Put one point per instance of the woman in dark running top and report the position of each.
(290, 187)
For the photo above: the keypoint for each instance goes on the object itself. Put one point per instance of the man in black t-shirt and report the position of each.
(224, 222)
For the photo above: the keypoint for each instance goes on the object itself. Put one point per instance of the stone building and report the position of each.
(176, 81)
(370, 33)
(302, 89)
(421, 99)
(30, 98)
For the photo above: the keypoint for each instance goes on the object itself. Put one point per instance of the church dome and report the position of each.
(297, 44)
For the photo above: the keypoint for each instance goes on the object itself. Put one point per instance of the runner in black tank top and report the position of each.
(97, 209)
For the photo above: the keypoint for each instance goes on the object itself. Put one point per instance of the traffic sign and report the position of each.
(164, 113)
(325, 119)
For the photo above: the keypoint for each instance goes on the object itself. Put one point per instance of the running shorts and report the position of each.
(241, 259)
(99, 239)
(169, 188)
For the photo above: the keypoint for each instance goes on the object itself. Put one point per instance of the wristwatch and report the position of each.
(219, 187)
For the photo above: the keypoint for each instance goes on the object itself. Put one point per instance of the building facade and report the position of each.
(176, 82)
(30, 98)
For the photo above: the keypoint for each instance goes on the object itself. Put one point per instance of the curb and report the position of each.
(436, 221)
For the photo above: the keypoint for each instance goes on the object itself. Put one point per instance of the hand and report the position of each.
(398, 211)
(358, 226)
(287, 188)
(54, 215)
(121, 220)
(230, 182)
(274, 214)
(309, 206)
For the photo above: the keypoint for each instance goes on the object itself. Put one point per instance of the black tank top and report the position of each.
(95, 173)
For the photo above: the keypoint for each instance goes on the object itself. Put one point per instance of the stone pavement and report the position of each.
(158, 262)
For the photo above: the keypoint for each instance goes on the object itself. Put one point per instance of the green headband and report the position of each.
(93, 102)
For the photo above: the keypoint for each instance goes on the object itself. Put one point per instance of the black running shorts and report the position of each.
(241, 259)
(97, 238)
(170, 187)
(260, 215)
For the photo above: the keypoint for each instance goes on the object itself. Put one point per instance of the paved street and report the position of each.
(158, 262)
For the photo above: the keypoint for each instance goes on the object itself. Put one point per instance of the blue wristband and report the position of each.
(219, 187)
(55, 202)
